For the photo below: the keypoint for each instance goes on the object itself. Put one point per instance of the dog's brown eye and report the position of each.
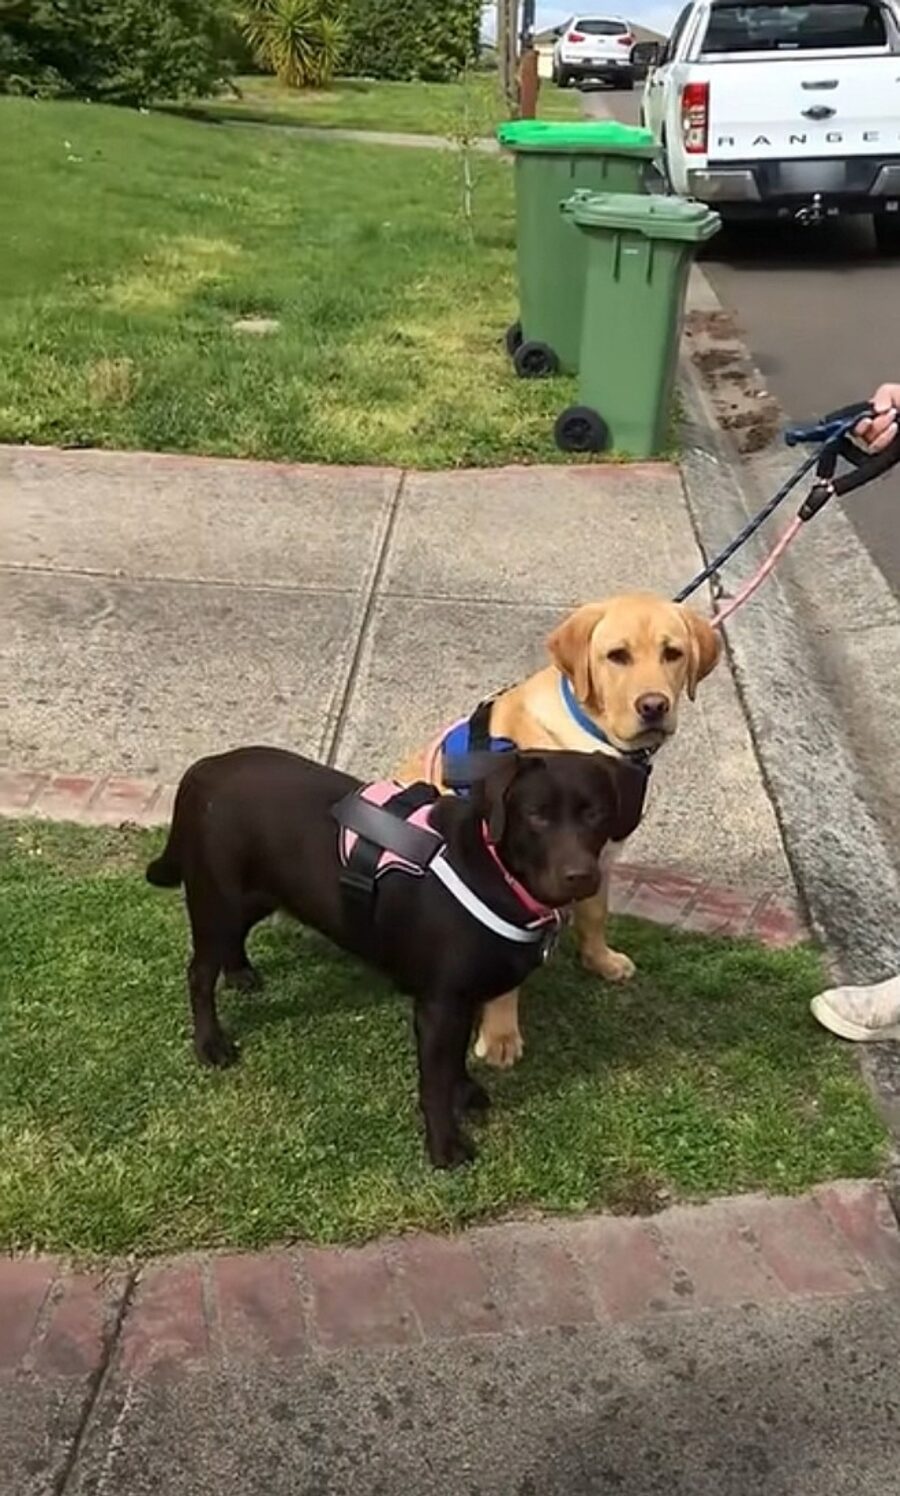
(671, 653)
(619, 656)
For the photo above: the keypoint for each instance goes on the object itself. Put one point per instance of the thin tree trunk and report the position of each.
(508, 52)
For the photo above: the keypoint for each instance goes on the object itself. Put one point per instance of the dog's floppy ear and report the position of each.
(628, 789)
(705, 649)
(491, 790)
(570, 648)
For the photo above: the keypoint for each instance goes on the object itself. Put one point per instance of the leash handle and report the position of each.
(831, 427)
(865, 470)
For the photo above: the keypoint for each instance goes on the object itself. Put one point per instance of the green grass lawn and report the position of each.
(707, 1075)
(474, 105)
(129, 243)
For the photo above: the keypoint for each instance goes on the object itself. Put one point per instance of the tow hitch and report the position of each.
(812, 216)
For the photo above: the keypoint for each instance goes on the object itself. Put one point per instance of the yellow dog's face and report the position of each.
(630, 658)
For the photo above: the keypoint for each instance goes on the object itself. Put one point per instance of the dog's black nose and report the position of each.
(652, 706)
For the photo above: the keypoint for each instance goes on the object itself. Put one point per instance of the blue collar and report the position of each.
(642, 757)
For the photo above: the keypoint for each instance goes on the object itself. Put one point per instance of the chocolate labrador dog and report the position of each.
(455, 899)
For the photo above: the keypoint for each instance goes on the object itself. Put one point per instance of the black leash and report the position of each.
(832, 438)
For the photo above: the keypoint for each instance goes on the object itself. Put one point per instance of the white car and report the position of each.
(784, 109)
(594, 47)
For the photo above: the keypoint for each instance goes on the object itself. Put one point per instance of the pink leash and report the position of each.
(759, 576)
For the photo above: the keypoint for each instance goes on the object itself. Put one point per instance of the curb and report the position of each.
(181, 1314)
(659, 895)
(842, 865)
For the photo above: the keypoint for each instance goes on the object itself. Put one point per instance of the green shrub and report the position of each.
(116, 51)
(429, 39)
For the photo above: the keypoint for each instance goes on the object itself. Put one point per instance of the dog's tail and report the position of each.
(166, 870)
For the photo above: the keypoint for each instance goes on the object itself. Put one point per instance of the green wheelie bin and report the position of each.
(553, 160)
(638, 253)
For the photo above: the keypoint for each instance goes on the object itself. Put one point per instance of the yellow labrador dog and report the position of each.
(619, 670)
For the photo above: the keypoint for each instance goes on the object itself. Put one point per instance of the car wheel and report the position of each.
(562, 78)
(887, 233)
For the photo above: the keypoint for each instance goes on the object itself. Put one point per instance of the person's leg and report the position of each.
(861, 1013)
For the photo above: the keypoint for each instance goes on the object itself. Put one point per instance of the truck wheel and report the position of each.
(581, 429)
(513, 338)
(887, 233)
(535, 361)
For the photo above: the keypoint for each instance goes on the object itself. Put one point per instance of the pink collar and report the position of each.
(529, 904)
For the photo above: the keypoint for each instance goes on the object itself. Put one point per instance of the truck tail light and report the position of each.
(695, 118)
(575, 36)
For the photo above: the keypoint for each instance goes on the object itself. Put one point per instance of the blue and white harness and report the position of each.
(461, 748)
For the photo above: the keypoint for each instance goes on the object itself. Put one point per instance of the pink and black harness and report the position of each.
(385, 829)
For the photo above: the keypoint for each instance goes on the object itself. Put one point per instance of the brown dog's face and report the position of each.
(630, 658)
(552, 814)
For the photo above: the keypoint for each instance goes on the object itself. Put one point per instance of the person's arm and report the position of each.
(878, 431)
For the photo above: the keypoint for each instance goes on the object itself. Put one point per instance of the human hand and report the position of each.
(878, 431)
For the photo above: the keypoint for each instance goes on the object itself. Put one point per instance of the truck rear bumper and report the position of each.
(609, 70)
(850, 184)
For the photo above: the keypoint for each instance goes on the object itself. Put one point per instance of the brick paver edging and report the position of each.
(655, 894)
(177, 1313)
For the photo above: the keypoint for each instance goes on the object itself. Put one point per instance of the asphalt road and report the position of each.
(817, 310)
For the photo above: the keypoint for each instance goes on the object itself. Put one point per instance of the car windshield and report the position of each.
(827, 24)
(600, 28)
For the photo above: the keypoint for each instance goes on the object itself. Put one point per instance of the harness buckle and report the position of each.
(356, 882)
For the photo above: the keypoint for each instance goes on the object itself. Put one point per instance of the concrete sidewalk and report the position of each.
(156, 608)
(747, 1348)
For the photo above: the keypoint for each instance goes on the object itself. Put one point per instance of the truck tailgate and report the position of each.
(803, 107)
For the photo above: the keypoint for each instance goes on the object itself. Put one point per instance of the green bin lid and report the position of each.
(656, 217)
(594, 137)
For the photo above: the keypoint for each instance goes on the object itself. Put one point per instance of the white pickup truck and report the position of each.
(783, 109)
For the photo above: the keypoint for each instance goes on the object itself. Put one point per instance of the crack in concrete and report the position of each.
(96, 1385)
(330, 751)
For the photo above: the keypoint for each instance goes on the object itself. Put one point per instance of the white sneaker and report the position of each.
(861, 1012)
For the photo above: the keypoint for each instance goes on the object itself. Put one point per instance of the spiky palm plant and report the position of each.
(298, 39)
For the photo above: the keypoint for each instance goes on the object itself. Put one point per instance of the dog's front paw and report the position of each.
(612, 966)
(500, 1049)
(451, 1152)
(217, 1050)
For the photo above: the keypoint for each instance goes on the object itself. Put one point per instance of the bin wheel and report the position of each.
(581, 429)
(513, 338)
(535, 361)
